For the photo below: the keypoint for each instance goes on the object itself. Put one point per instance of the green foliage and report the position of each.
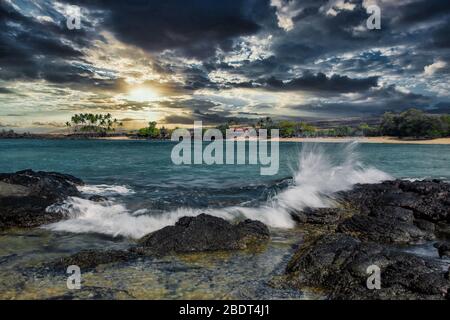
(223, 128)
(307, 129)
(288, 129)
(151, 131)
(445, 122)
(365, 130)
(164, 133)
(266, 123)
(415, 123)
(93, 123)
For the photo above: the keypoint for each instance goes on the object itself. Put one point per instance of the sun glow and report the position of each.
(142, 95)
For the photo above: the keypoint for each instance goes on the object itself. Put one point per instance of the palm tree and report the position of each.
(94, 123)
(68, 125)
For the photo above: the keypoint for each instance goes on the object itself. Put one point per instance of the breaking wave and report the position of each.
(105, 190)
(317, 177)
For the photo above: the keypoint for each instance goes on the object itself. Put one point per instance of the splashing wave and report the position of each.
(318, 176)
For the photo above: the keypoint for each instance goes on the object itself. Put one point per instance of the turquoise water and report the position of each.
(148, 162)
(141, 179)
(146, 167)
(147, 192)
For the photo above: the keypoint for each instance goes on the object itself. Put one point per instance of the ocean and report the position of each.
(147, 192)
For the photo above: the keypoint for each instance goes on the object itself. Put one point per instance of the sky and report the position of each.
(176, 61)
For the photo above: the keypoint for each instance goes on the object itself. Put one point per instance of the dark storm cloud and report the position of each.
(414, 35)
(321, 83)
(32, 49)
(441, 36)
(211, 118)
(440, 108)
(261, 68)
(317, 35)
(200, 110)
(178, 119)
(195, 28)
(374, 103)
(420, 11)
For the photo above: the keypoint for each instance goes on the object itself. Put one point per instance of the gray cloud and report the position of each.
(188, 42)
(320, 82)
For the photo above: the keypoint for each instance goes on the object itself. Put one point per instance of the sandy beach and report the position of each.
(389, 140)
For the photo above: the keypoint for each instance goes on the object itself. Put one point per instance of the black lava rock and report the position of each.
(204, 233)
(25, 195)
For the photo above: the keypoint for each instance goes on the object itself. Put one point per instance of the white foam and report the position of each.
(105, 190)
(86, 216)
(316, 178)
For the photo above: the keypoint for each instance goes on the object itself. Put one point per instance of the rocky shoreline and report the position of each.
(25, 196)
(369, 228)
(371, 225)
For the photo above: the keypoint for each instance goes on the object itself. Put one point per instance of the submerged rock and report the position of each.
(443, 249)
(90, 259)
(204, 233)
(188, 235)
(94, 293)
(25, 195)
(97, 198)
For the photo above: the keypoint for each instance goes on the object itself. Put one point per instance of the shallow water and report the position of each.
(147, 192)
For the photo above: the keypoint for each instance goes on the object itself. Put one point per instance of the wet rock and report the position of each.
(393, 213)
(383, 230)
(428, 200)
(94, 293)
(321, 216)
(49, 185)
(399, 199)
(378, 215)
(443, 249)
(90, 259)
(338, 264)
(25, 195)
(204, 233)
(424, 225)
(322, 259)
(443, 231)
(396, 211)
(190, 234)
(97, 198)
(6, 259)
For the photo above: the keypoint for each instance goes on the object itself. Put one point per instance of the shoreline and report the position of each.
(348, 233)
(376, 140)
(379, 140)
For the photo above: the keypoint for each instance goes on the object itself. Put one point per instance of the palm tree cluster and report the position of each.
(93, 123)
